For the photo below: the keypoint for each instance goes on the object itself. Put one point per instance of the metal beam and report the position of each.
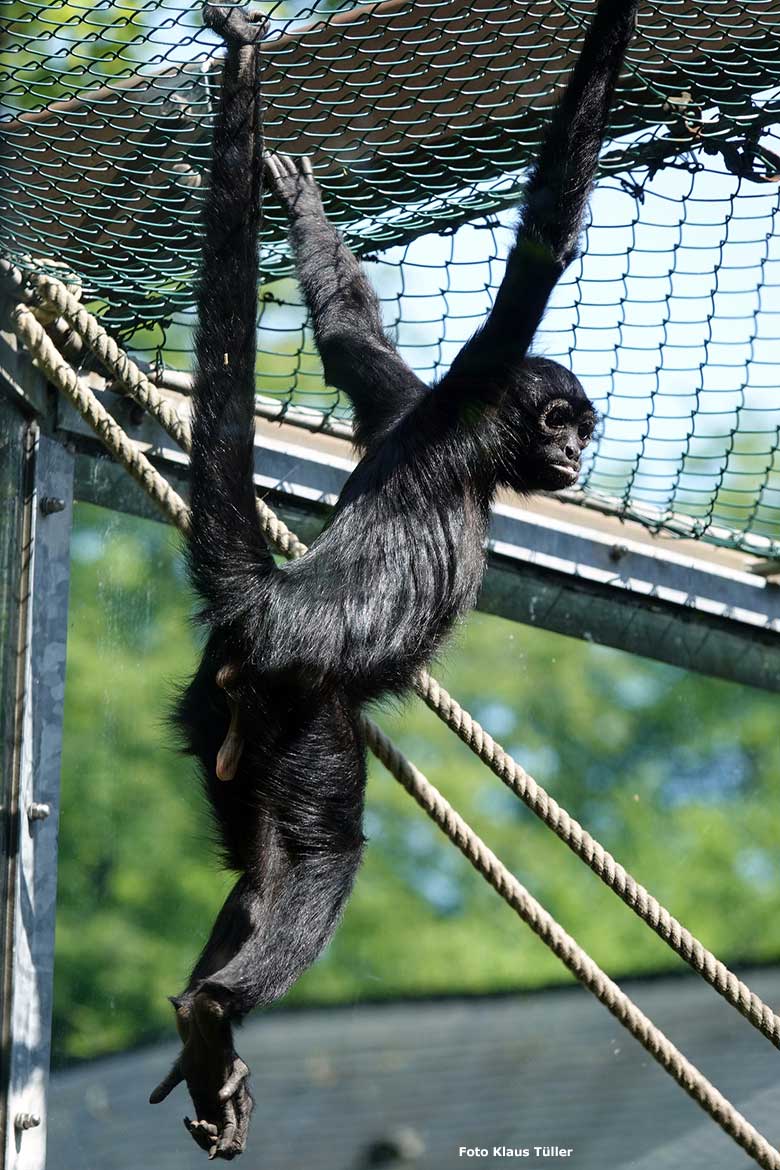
(14, 519)
(679, 602)
(694, 609)
(39, 697)
(662, 606)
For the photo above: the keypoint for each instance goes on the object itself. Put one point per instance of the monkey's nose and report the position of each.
(572, 453)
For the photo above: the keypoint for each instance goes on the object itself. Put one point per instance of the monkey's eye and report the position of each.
(585, 432)
(557, 416)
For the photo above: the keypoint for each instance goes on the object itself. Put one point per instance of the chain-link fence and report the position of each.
(420, 118)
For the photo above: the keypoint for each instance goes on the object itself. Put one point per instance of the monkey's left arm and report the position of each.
(554, 204)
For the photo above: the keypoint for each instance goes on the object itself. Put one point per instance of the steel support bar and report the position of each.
(14, 514)
(38, 701)
(638, 595)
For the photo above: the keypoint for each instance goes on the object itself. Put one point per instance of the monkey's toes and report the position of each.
(235, 1078)
(230, 1142)
(204, 1133)
(236, 1115)
(228, 1139)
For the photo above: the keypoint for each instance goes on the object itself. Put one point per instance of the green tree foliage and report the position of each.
(59, 48)
(54, 49)
(678, 775)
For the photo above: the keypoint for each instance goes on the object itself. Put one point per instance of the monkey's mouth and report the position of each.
(565, 473)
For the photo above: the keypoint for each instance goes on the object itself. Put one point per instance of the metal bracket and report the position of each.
(766, 569)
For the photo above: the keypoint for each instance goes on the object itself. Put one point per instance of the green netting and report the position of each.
(420, 118)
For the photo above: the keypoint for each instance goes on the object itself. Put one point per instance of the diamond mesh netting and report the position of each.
(420, 118)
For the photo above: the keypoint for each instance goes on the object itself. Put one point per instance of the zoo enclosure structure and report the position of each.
(419, 118)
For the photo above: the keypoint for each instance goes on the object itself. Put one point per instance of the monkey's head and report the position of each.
(550, 421)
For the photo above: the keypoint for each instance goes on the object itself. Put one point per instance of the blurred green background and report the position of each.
(678, 775)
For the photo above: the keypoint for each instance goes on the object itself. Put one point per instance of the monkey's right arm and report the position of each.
(356, 354)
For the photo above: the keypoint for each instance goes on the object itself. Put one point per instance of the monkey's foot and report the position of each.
(293, 181)
(216, 1078)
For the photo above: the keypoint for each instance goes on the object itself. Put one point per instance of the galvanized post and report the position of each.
(39, 694)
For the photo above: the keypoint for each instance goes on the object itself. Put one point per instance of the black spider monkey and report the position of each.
(293, 652)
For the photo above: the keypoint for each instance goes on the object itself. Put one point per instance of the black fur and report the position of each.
(305, 645)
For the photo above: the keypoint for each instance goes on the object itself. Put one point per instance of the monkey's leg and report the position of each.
(274, 923)
(222, 988)
(357, 357)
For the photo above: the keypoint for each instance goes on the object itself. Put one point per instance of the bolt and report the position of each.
(51, 504)
(135, 414)
(24, 1121)
(617, 552)
(38, 812)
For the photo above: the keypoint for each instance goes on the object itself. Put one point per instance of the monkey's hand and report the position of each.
(235, 24)
(215, 1075)
(294, 183)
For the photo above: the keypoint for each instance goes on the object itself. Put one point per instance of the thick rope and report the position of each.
(568, 950)
(492, 754)
(145, 393)
(589, 850)
(76, 390)
(585, 969)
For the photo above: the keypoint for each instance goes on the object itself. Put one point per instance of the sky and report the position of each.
(670, 317)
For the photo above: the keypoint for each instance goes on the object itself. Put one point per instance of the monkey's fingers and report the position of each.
(284, 166)
(279, 166)
(238, 1073)
(167, 1084)
(272, 166)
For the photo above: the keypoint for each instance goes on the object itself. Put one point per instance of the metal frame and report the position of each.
(550, 564)
(38, 686)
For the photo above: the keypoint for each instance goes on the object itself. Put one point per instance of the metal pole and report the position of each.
(39, 688)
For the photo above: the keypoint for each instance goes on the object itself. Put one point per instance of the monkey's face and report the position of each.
(565, 429)
(552, 420)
